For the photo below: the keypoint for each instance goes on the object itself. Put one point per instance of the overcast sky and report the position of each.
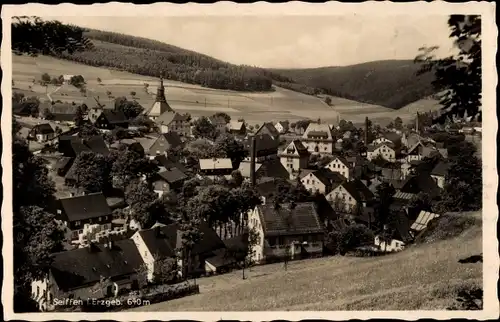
(287, 41)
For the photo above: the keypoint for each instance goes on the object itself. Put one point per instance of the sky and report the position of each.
(287, 41)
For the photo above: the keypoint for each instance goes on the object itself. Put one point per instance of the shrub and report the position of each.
(447, 226)
(354, 236)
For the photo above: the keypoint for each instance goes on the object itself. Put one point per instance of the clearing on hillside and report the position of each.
(393, 282)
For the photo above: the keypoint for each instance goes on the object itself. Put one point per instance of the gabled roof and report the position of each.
(270, 129)
(358, 190)
(168, 117)
(422, 182)
(44, 128)
(263, 143)
(83, 266)
(62, 162)
(244, 168)
(173, 139)
(392, 136)
(288, 220)
(85, 207)
(236, 125)
(372, 147)
(172, 175)
(217, 120)
(318, 130)
(168, 163)
(97, 145)
(343, 160)
(424, 217)
(210, 164)
(441, 169)
(114, 117)
(328, 177)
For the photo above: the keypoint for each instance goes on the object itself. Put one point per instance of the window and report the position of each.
(100, 219)
(313, 182)
(80, 231)
(59, 211)
(307, 181)
(37, 291)
(77, 223)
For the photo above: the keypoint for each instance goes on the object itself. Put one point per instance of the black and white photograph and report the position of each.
(254, 162)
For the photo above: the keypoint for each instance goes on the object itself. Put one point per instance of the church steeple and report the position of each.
(160, 93)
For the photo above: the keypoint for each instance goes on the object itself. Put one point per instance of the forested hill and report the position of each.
(150, 58)
(390, 83)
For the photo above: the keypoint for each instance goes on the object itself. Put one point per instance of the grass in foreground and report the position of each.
(424, 277)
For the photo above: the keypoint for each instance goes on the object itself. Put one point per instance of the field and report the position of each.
(255, 108)
(423, 277)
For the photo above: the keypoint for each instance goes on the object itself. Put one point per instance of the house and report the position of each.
(392, 245)
(318, 139)
(237, 128)
(219, 122)
(415, 152)
(286, 230)
(322, 181)
(267, 169)
(82, 216)
(129, 145)
(42, 133)
(421, 182)
(269, 129)
(410, 139)
(77, 274)
(67, 79)
(384, 150)
(423, 219)
(163, 241)
(266, 147)
(168, 163)
(173, 122)
(213, 168)
(439, 173)
(294, 157)
(390, 173)
(430, 151)
(72, 145)
(165, 143)
(389, 137)
(342, 166)
(282, 126)
(170, 179)
(160, 106)
(111, 119)
(351, 194)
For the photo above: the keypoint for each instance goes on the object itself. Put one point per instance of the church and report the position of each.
(165, 117)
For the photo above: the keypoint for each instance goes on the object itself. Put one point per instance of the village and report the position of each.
(150, 199)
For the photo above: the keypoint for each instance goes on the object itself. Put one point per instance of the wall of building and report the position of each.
(340, 192)
(255, 222)
(440, 181)
(318, 146)
(312, 183)
(337, 166)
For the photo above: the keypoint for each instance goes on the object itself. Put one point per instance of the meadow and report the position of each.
(423, 277)
(255, 108)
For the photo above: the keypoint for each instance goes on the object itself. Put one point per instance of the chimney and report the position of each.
(366, 131)
(71, 194)
(253, 148)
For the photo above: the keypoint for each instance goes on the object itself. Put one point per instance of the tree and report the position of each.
(109, 93)
(384, 194)
(422, 201)
(91, 172)
(131, 109)
(354, 236)
(47, 114)
(226, 117)
(146, 86)
(130, 165)
(87, 131)
(226, 146)
(463, 190)
(132, 93)
(145, 207)
(204, 129)
(79, 116)
(45, 79)
(458, 76)
(99, 80)
(33, 36)
(328, 100)
(78, 81)
(237, 178)
(398, 123)
(165, 269)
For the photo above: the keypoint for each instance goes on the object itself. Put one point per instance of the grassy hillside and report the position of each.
(424, 277)
(390, 83)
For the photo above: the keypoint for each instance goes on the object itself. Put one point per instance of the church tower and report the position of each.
(160, 105)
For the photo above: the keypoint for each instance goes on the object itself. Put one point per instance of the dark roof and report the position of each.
(358, 190)
(324, 208)
(60, 108)
(97, 145)
(163, 240)
(63, 117)
(62, 163)
(83, 266)
(270, 128)
(79, 147)
(85, 207)
(263, 142)
(267, 188)
(167, 163)
(173, 139)
(422, 182)
(328, 177)
(172, 175)
(44, 128)
(284, 220)
(114, 116)
(272, 169)
(392, 136)
(441, 169)
(391, 174)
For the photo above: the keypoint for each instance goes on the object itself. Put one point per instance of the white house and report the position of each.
(393, 245)
(294, 157)
(385, 150)
(439, 173)
(318, 139)
(350, 194)
(322, 180)
(170, 121)
(281, 127)
(341, 166)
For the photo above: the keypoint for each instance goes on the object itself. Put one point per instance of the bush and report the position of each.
(354, 236)
(447, 226)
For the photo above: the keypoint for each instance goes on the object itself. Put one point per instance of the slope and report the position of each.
(389, 83)
(423, 277)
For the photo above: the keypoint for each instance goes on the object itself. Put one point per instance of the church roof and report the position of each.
(160, 105)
